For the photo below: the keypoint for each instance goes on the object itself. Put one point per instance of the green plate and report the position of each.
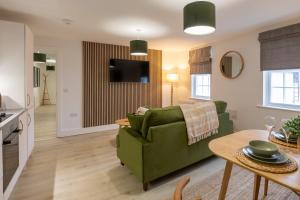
(272, 157)
(281, 160)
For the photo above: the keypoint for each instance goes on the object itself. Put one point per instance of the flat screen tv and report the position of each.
(128, 71)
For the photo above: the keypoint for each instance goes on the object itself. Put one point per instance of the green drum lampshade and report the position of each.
(199, 18)
(138, 48)
(39, 57)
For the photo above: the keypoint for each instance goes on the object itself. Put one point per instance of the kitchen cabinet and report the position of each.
(16, 87)
(30, 129)
(29, 68)
(23, 141)
(1, 169)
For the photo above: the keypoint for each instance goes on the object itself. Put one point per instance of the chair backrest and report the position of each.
(179, 188)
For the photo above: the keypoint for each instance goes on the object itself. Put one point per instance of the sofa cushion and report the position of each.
(160, 116)
(220, 106)
(136, 121)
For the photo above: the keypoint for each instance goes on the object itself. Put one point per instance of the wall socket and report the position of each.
(73, 114)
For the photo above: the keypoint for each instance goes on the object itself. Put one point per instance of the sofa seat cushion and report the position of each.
(160, 116)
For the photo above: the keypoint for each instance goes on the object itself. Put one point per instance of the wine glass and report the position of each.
(286, 133)
(270, 123)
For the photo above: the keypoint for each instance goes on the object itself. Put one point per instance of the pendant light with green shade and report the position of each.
(39, 57)
(138, 47)
(199, 18)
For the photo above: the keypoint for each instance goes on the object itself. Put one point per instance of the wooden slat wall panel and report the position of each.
(105, 102)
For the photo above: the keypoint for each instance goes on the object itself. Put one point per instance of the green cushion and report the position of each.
(160, 116)
(220, 106)
(136, 121)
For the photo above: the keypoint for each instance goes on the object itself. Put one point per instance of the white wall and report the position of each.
(242, 94)
(69, 99)
(69, 80)
(246, 92)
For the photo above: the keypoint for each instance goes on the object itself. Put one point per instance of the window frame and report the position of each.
(193, 86)
(267, 91)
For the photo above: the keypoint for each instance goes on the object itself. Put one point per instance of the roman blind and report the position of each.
(280, 48)
(200, 60)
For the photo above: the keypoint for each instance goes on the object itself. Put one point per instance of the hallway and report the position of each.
(45, 122)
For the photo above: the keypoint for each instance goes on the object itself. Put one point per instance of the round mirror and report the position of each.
(232, 64)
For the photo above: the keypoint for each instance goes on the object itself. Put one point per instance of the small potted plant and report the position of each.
(292, 128)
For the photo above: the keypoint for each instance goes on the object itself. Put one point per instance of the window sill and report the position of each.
(278, 108)
(202, 99)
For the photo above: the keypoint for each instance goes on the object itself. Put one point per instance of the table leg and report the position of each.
(266, 188)
(226, 177)
(257, 179)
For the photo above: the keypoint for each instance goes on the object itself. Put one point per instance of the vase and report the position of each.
(298, 143)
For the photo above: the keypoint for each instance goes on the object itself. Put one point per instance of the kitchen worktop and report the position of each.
(15, 112)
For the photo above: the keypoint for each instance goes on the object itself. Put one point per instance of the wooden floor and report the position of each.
(45, 122)
(85, 167)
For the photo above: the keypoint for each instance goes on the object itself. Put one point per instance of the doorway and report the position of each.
(45, 98)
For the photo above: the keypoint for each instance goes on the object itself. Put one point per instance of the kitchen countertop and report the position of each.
(15, 112)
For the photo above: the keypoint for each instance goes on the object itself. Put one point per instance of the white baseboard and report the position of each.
(79, 131)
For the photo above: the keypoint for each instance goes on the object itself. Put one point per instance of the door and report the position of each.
(30, 129)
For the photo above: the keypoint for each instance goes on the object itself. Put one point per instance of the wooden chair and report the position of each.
(185, 180)
(179, 188)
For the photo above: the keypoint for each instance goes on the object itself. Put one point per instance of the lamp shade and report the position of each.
(172, 77)
(199, 18)
(39, 57)
(138, 48)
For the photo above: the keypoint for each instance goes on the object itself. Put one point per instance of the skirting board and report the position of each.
(65, 133)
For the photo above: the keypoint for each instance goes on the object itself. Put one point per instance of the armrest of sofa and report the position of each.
(130, 145)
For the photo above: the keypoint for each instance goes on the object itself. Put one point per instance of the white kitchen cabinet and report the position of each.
(23, 154)
(16, 65)
(23, 140)
(30, 136)
(1, 169)
(29, 68)
(16, 86)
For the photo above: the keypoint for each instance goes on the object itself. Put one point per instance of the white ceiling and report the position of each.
(160, 21)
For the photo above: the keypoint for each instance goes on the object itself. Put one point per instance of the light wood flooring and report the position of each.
(86, 167)
(45, 122)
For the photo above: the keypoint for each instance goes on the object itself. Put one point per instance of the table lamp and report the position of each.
(172, 78)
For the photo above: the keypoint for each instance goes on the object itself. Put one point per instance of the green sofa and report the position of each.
(161, 145)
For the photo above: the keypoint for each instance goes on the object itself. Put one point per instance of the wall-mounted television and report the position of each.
(128, 71)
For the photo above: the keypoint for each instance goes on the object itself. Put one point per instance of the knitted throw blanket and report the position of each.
(201, 120)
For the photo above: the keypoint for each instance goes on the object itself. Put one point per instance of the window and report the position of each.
(201, 86)
(281, 88)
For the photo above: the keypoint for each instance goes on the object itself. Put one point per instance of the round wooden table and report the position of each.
(123, 122)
